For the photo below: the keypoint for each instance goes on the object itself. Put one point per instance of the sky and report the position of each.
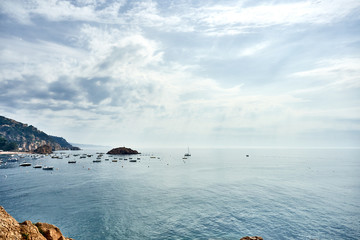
(184, 73)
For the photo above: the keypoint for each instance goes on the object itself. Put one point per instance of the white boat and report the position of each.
(25, 164)
(48, 168)
(187, 154)
(72, 161)
(37, 166)
(97, 160)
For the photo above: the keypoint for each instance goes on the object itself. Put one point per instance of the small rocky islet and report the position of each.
(122, 151)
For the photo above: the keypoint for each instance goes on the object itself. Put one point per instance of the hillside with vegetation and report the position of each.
(26, 137)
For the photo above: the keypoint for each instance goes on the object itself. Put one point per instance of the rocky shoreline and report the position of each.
(12, 229)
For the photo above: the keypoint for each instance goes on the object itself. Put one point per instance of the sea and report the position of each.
(275, 193)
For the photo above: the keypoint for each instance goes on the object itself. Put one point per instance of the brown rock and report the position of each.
(11, 229)
(51, 232)
(45, 149)
(122, 151)
(30, 231)
(252, 238)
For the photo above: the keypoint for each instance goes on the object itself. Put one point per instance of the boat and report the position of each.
(25, 164)
(114, 160)
(187, 154)
(37, 166)
(48, 168)
(97, 160)
(132, 160)
(72, 161)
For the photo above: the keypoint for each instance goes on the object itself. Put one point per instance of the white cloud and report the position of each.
(118, 72)
(252, 50)
(337, 73)
(221, 19)
(235, 18)
(54, 10)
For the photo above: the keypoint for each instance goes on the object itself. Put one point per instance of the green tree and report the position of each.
(7, 146)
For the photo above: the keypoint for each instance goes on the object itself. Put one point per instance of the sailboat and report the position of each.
(187, 154)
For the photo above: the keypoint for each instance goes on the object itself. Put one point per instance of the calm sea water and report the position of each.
(214, 194)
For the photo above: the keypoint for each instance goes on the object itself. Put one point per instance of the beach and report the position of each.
(8, 153)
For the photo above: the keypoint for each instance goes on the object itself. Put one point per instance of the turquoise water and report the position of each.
(214, 194)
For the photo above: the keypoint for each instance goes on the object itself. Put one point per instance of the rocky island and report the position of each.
(122, 151)
(12, 229)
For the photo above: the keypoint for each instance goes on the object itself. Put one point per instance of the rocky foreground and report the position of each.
(252, 238)
(12, 230)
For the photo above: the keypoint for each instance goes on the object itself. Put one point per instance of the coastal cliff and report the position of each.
(28, 137)
(11, 229)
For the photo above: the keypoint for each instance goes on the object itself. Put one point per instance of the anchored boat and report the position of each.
(188, 153)
(48, 168)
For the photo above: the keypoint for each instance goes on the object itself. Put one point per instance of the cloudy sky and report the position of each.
(184, 73)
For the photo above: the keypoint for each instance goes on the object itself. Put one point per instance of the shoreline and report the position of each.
(8, 153)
